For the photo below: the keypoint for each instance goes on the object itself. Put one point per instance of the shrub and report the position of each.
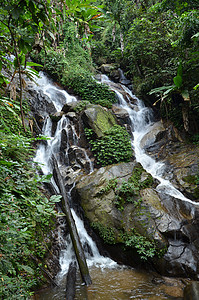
(112, 148)
(106, 233)
(25, 214)
(145, 248)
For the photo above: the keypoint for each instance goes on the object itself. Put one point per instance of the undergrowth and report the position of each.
(113, 147)
(26, 215)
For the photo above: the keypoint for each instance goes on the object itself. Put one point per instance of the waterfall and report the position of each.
(141, 121)
(43, 157)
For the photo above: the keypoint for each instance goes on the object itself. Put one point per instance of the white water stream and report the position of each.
(141, 122)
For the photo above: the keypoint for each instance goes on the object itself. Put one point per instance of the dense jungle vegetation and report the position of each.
(156, 43)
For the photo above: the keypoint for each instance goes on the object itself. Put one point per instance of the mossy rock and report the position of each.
(99, 119)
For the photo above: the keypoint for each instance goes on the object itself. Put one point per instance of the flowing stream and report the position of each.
(110, 281)
(141, 122)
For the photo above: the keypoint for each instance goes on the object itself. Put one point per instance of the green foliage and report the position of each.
(106, 233)
(71, 65)
(81, 105)
(89, 90)
(10, 121)
(112, 148)
(112, 184)
(128, 191)
(25, 213)
(195, 139)
(145, 248)
(157, 36)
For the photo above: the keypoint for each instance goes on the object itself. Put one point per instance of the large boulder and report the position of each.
(98, 118)
(185, 165)
(150, 137)
(169, 224)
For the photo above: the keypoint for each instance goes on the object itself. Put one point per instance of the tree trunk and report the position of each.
(71, 279)
(72, 227)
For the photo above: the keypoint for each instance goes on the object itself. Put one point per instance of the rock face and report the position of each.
(182, 159)
(169, 223)
(191, 291)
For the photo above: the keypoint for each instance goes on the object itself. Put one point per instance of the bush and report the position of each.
(72, 66)
(114, 147)
(25, 214)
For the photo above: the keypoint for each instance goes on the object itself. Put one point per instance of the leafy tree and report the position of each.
(20, 21)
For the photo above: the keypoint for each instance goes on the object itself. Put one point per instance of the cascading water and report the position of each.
(109, 280)
(43, 157)
(141, 122)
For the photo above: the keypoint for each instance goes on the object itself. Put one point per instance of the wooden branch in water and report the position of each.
(71, 279)
(72, 227)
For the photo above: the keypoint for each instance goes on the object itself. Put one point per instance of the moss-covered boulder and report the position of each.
(111, 200)
(98, 118)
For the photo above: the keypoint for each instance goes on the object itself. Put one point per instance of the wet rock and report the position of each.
(111, 70)
(123, 79)
(41, 102)
(150, 137)
(121, 114)
(191, 291)
(98, 119)
(78, 156)
(67, 137)
(185, 164)
(72, 116)
(57, 116)
(70, 106)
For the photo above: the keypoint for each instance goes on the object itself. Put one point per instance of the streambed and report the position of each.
(119, 284)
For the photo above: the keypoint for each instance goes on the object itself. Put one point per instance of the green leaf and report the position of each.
(179, 70)
(177, 81)
(55, 198)
(28, 269)
(40, 208)
(32, 64)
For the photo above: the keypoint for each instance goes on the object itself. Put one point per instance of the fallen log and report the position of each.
(71, 279)
(71, 225)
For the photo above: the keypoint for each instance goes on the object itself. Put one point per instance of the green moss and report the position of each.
(106, 233)
(105, 120)
(190, 179)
